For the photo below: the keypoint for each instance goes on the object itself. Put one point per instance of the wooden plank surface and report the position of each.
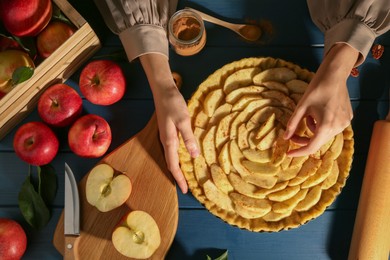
(295, 38)
(327, 237)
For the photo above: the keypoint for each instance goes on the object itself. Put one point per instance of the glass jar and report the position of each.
(187, 34)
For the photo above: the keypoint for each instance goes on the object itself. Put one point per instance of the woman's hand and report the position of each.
(172, 114)
(325, 104)
(173, 118)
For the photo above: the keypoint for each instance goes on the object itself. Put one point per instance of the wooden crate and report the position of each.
(57, 68)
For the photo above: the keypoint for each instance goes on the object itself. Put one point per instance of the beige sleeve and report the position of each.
(141, 25)
(355, 22)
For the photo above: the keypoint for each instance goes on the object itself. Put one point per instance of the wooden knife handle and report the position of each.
(70, 248)
(371, 234)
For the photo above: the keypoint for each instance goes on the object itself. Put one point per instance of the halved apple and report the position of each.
(137, 236)
(107, 191)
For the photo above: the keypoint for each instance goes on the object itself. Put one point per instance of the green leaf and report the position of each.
(224, 256)
(21, 74)
(56, 11)
(47, 183)
(32, 205)
(58, 15)
(28, 44)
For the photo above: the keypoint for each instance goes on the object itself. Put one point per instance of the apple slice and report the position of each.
(106, 191)
(137, 236)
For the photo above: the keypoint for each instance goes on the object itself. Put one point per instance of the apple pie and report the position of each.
(243, 175)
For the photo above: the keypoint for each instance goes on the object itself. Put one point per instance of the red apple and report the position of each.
(10, 60)
(13, 239)
(25, 17)
(89, 136)
(102, 82)
(53, 36)
(59, 105)
(35, 143)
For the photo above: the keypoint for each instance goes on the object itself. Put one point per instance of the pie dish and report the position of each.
(243, 175)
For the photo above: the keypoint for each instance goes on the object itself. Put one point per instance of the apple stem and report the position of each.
(96, 134)
(54, 102)
(29, 141)
(95, 80)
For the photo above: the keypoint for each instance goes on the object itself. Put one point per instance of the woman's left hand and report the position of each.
(325, 105)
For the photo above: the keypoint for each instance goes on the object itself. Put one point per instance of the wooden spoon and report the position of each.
(247, 31)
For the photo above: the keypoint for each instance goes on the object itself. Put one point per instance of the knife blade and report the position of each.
(71, 213)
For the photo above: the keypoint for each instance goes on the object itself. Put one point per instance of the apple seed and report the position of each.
(138, 237)
(106, 190)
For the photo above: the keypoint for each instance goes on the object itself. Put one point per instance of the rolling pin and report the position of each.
(371, 232)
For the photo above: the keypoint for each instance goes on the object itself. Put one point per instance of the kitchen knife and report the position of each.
(371, 233)
(71, 214)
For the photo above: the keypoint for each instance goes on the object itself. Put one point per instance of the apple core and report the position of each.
(138, 237)
(106, 190)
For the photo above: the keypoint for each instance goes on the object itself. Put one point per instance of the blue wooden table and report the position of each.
(290, 35)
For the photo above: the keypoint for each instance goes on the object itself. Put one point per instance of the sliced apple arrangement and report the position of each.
(243, 174)
(105, 190)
